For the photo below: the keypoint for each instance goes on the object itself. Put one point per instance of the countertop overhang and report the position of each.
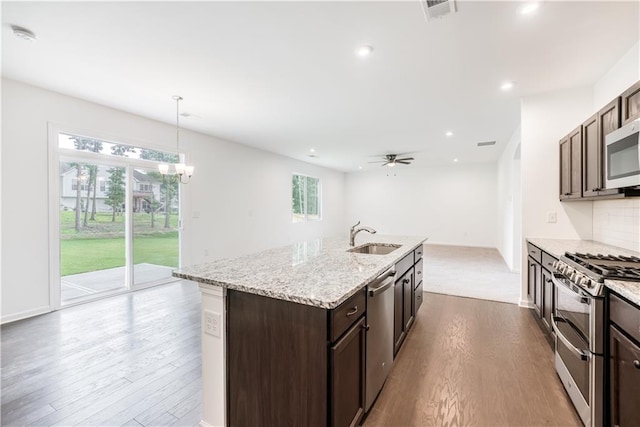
(319, 272)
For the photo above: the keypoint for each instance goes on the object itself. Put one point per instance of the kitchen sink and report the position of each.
(375, 248)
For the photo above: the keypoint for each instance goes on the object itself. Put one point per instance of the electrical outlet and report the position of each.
(552, 216)
(212, 322)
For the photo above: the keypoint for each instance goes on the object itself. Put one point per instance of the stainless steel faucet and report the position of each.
(353, 232)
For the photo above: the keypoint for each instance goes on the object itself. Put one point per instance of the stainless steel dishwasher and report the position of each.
(379, 334)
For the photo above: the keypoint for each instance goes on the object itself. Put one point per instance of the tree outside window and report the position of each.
(305, 198)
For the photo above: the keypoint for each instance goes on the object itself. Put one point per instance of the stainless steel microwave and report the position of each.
(622, 159)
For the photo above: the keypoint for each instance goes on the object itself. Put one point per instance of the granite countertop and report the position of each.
(319, 272)
(557, 248)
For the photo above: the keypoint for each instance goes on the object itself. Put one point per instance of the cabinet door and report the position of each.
(407, 289)
(591, 158)
(565, 168)
(575, 140)
(534, 285)
(547, 299)
(398, 317)
(625, 377)
(608, 121)
(631, 103)
(531, 280)
(347, 377)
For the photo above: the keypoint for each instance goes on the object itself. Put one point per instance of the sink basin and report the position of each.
(375, 248)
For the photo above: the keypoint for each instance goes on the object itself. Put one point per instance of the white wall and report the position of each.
(545, 119)
(453, 205)
(241, 196)
(618, 78)
(509, 223)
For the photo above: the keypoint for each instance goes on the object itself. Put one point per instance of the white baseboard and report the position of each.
(25, 314)
(525, 303)
(203, 423)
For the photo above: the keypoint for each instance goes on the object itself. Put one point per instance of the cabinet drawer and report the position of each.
(625, 315)
(547, 261)
(417, 254)
(418, 272)
(347, 313)
(419, 296)
(404, 264)
(534, 252)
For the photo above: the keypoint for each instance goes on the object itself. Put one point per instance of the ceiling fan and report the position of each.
(392, 159)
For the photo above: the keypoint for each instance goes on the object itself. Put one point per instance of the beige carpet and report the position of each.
(469, 272)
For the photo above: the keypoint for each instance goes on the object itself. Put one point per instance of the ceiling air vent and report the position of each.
(437, 8)
(484, 144)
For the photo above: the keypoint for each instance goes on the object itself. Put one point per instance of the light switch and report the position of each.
(552, 216)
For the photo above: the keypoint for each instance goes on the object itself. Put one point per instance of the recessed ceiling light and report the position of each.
(529, 8)
(23, 33)
(364, 50)
(455, 160)
(359, 167)
(313, 150)
(449, 133)
(507, 86)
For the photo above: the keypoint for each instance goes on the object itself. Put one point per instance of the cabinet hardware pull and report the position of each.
(353, 311)
(366, 327)
(405, 281)
(636, 364)
(419, 272)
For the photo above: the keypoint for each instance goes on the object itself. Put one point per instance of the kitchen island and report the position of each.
(274, 322)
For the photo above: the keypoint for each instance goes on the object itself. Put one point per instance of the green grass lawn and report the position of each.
(84, 255)
(103, 226)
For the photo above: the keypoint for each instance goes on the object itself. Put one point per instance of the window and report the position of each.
(305, 200)
(144, 187)
(83, 184)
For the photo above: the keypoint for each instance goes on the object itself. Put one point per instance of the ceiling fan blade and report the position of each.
(378, 161)
(406, 158)
(386, 163)
(403, 162)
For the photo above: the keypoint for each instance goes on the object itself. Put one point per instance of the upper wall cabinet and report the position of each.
(631, 103)
(571, 165)
(593, 149)
(582, 152)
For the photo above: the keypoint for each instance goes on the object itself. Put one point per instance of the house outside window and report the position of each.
(306, 198)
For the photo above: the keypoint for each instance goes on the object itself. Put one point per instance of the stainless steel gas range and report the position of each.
(578, 323)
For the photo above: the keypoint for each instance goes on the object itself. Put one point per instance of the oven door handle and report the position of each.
(577, 296)
(583, 355)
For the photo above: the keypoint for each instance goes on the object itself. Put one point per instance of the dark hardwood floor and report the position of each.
(135, 360)
(473, 362)
(127, 360)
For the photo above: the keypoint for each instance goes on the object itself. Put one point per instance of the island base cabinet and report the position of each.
(625, 380)
(347, 377)
(277, 361)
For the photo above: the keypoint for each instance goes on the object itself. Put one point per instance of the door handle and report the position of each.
(583, 355)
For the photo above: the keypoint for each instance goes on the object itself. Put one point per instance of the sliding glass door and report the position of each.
(155, 215)
(118, 218)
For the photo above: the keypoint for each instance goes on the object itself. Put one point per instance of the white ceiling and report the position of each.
(283, 76)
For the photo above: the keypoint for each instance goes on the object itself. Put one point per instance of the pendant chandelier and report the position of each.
(182, 171)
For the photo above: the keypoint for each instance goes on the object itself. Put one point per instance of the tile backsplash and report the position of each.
(617, 223)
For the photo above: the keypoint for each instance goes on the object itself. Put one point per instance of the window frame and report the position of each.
(295, 218)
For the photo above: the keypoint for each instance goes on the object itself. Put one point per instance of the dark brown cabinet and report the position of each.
(347, 377)
(547, 299)
(408, 295)
(403, 300)
(571, 165)
(631, 103)
(540, 289)
(592, 172)
(583, 151)
(624, 362)
(294, 364)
